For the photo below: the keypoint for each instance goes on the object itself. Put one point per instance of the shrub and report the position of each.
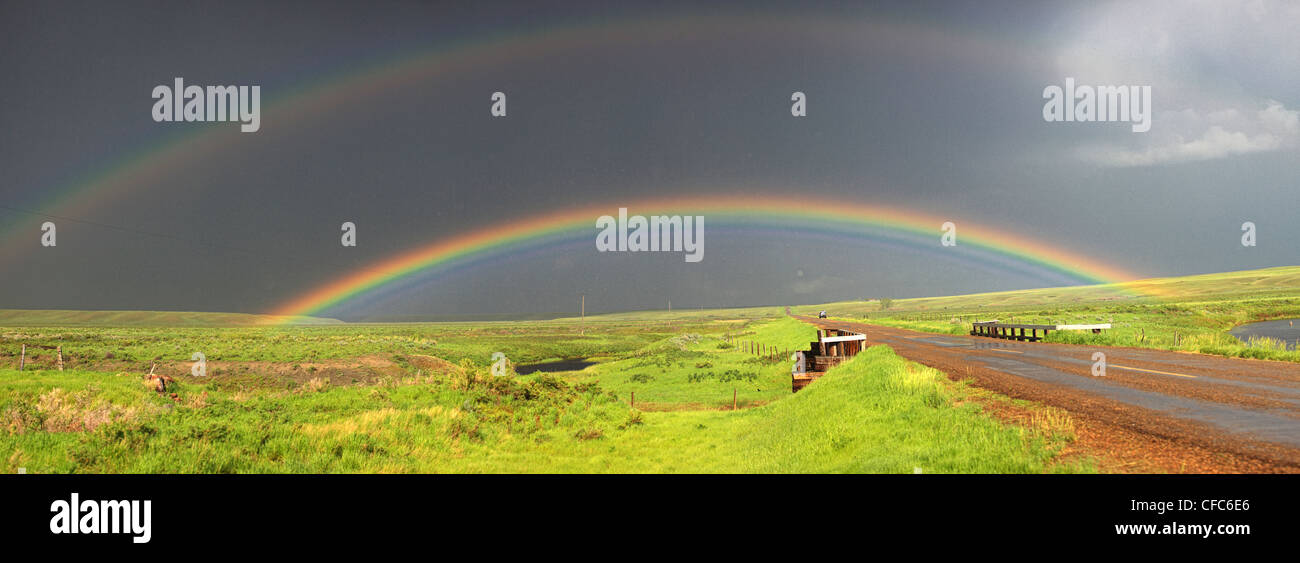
(633, 419)
(314, 385)
(589, 434)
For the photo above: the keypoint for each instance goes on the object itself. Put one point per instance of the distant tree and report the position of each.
(885, 302)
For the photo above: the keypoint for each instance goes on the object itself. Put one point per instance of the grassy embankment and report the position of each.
(696, 372)
(1192, 313)
(877, 413)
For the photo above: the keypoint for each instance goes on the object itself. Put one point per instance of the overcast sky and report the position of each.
(936, 108)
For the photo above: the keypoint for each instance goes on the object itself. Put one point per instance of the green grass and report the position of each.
(877, 413)
(1192, 313)
(265, 408)
(136, 347)
(707, 371)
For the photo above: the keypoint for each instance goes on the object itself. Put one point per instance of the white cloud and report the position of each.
(1277, 118)
(1187, 136)
(1214, 67)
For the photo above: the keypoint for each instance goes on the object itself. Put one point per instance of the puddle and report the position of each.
(1286, 330)
(548, 367)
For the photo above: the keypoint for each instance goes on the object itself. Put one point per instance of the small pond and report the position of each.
(1286, 330)
(573, 364)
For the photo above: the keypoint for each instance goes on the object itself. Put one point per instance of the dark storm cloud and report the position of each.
(933, 107)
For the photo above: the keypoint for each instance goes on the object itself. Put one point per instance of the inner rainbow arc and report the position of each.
(781, 209)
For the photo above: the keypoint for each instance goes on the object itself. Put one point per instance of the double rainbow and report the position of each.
(153, 164)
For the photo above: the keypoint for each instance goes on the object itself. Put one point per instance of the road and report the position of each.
(1152, 410)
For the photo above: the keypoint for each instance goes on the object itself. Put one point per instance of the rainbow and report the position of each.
(154, 165)
(749, 211)
(151, 166)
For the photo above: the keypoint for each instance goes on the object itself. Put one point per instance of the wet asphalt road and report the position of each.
(1242, 399)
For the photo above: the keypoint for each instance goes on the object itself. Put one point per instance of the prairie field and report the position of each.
(666, 393)
(658, 391)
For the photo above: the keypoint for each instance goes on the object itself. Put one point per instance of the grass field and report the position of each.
(324, 396)
(1192, 313)
(424, 400)
(693, 372)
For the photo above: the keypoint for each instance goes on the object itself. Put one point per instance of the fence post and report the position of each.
(733, 398)
(22, 358)
(60, 350)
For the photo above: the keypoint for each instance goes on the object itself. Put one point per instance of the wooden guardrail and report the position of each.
(1016, 331)
(832, 347)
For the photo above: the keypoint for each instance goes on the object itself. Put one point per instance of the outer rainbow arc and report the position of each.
(507, 235)
(173, 152)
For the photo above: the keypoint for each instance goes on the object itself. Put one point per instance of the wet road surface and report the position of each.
(1246, 408)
